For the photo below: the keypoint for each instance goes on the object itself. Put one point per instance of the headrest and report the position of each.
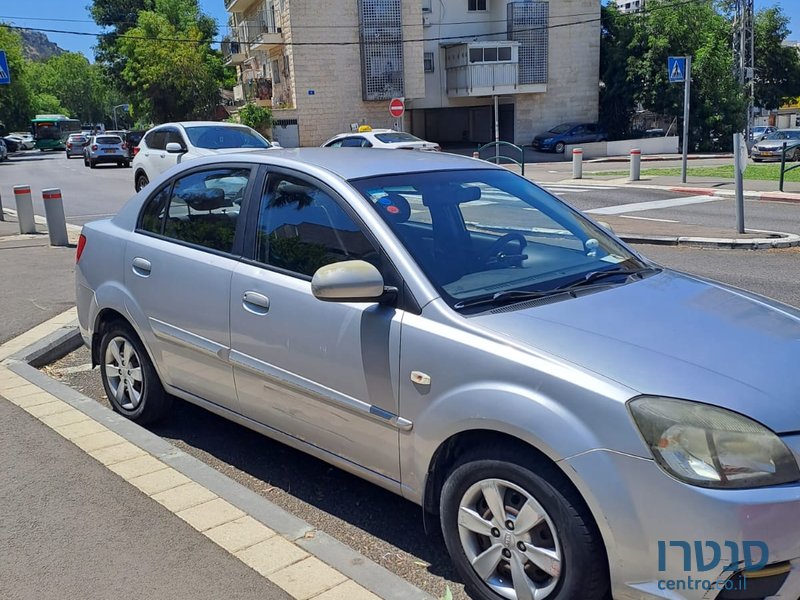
(205, 198)
(394, 208)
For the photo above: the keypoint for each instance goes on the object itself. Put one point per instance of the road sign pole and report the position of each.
(739, 175)
(686, 96)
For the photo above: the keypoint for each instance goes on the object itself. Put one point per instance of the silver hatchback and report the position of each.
(578, 420)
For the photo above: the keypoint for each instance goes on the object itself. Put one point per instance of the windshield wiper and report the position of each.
(506, 296)
(593, 276)
(511, 296)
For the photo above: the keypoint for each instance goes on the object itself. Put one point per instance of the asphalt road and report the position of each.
(377, 523)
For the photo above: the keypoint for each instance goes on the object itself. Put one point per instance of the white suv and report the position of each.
(166, 145)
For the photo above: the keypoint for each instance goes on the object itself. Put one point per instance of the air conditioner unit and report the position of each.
(426, 20)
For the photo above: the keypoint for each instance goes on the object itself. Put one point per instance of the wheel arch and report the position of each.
(458, 445)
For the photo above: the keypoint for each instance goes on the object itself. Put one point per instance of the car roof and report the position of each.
(199, 124)
(354, 163)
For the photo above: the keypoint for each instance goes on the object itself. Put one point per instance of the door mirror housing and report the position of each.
(350, 281)
(175, 148)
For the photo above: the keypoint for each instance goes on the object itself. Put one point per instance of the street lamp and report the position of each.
(125, 108)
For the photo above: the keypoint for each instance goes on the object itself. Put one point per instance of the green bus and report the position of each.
(51, 131)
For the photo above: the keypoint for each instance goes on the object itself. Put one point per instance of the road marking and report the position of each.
(648, 219)
(653, 205)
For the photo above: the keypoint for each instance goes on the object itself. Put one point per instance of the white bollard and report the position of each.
(577, 163)
(636, 163)
(22, 197)
(54, 213)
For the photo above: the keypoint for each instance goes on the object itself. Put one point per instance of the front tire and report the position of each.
(130, 380)
(521, 532)
(559, 148)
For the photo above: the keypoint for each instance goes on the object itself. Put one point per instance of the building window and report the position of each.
(528, 24)
(276, 72)
(475, 5)
(490, 54)
(428, 58)
(381, 34)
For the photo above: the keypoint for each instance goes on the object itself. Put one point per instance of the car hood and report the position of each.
(775, 144)
(677, 336)
(546, 136)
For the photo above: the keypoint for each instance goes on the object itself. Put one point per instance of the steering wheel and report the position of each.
(496, 257)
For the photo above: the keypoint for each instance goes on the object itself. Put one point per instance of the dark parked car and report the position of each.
(11, 145)
(132, 139)
(559, 136)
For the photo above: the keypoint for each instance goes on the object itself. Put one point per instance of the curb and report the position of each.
(364, 579)
(656, 158)
(786, 240)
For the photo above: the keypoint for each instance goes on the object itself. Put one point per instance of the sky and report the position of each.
(72, 15)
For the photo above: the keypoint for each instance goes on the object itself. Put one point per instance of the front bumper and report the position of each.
(543, 146)
(636, 506)
(766, 154)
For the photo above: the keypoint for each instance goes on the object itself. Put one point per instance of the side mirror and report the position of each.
(175, 148)
(350, 281)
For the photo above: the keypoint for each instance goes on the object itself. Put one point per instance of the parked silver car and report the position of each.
(105, 148)
(770, 147)
(578, 419)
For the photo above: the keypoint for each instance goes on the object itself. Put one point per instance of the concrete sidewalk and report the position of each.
(96, 507)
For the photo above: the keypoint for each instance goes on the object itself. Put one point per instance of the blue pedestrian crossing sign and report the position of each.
(5, 74)
(676, 69)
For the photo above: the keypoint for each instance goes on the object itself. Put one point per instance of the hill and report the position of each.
(36, 46)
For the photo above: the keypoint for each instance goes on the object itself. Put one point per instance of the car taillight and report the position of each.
(81, 246)
(135, 150)
(94, 147)
(69, 145)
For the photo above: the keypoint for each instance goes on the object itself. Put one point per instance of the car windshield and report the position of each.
(759, 129)
(215, 137)
(784, 135)
(477, 233)
(396, 136)
(108, 139)
(563, 128)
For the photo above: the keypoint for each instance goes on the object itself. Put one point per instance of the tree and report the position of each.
(168, 65)
(15, 99)
(79, 86)
(777, 67)
(255, 116)
(638, 45)
(617, 91)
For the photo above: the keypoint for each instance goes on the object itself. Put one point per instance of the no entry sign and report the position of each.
(397, 107)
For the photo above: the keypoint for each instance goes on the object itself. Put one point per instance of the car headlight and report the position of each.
(712, 447)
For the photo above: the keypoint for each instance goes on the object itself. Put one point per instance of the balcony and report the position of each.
(240, 6)
(232, 52)
(260, 31)
(482, 69)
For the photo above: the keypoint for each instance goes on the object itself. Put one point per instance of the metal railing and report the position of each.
(795, 155)
(498, 157)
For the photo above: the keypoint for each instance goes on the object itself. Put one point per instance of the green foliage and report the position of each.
(15, 105)
(46, 104)
(80, 87)
(634, 51)
(255, 116)
(777, 68)
(165, 63)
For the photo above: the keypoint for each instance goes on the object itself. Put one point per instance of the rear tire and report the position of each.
(545, 539)
(130, 380)
(141, 181)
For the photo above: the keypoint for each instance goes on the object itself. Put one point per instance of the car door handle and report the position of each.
(141, 267)
(255, 303)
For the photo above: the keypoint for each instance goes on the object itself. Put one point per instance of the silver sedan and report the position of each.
(578, 420)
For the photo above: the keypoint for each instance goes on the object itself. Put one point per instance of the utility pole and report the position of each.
(743, 55)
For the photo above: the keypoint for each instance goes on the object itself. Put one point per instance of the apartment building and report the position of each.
(335, 64)
(630, 6)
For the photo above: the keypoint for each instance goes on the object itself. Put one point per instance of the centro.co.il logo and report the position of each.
(706, 556)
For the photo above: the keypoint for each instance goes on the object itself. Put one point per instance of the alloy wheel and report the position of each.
(509, 540)
(123, 371)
